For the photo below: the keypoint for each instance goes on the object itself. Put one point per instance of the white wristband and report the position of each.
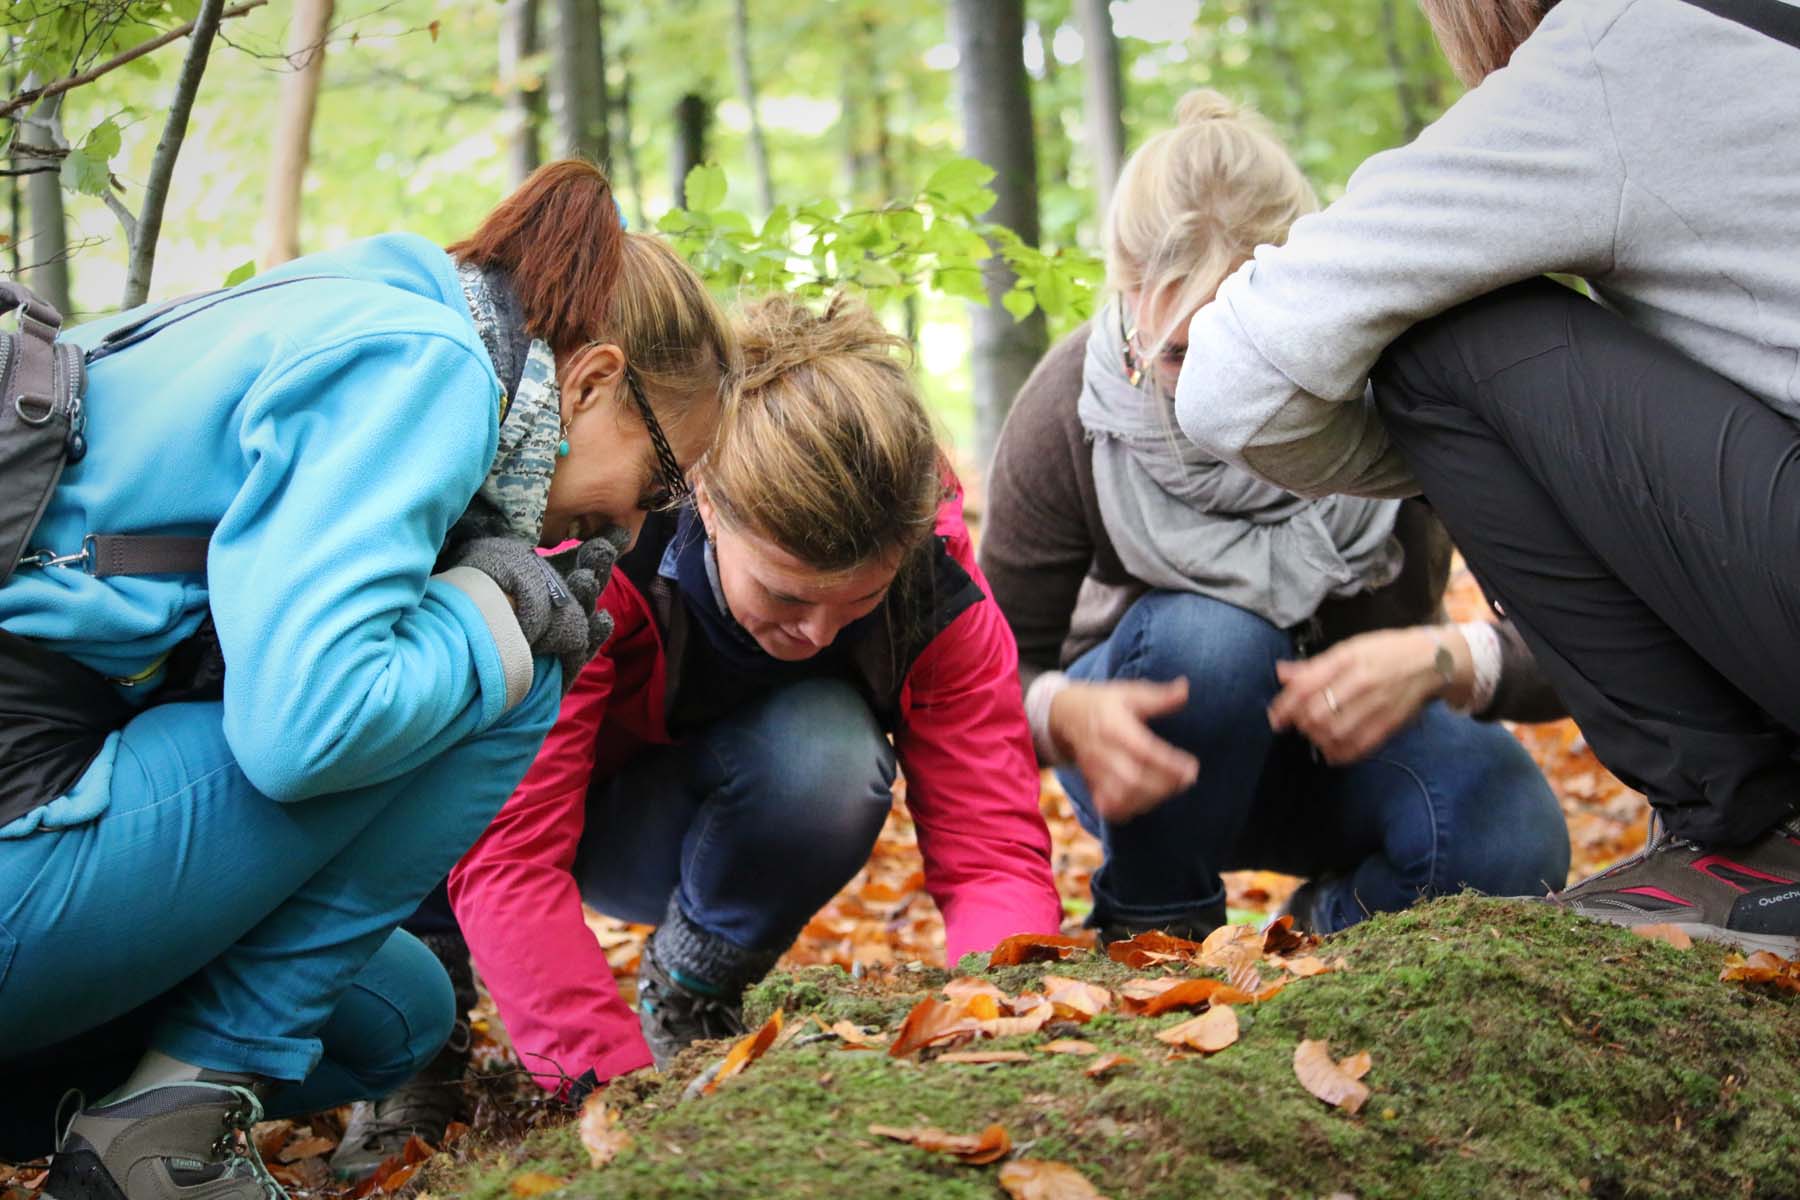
(1038, 698)
(1485, 655)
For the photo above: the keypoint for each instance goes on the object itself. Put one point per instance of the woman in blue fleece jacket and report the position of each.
(374, 441)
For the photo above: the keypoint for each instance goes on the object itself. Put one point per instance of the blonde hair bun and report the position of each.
(1204, 104)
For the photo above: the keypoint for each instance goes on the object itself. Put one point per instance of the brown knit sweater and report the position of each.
(1055, 574)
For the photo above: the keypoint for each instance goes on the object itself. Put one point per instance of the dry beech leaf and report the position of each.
(534, 1183)
(1231, 947)
(748, 1049)
(1331, 1081)
(1025, 1002)
(982, 1007)
(1074, 1000)
(854, 1038)
(309, 1147)
(1068, 1046)
(1038, 1179)
(600, 1131)
(1105, 1063)
(1282, 938)
(1187, 993)
(1677, 938)
(1033, 947)
(1245, 977)
(964, 987)
(399, 1179)
(977, 1149)
(1306, 966)
(1209, 1033)
(984, 1056)
(1149, 949)
(1031, 1022)
(1762, 967)
(931, 1020)
(1135, 993)
(1357, 1065)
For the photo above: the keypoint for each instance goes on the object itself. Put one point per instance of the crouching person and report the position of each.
(346, 642)
(726, 765)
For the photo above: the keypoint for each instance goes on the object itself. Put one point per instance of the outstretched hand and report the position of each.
(1104, 729)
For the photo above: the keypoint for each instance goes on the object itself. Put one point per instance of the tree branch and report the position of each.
(40, 169)
(168, 148)
(127, 219)
(26, 98)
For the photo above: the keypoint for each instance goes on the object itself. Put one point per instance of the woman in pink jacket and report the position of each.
(725, 765)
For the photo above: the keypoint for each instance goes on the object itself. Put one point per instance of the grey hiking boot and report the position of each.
(1748, 896)
(691, 985)
(176, 1141)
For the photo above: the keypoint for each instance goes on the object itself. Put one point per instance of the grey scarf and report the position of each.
(510, 502)
(1186, 522)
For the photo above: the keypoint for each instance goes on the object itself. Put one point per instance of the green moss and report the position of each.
(1517, 1051)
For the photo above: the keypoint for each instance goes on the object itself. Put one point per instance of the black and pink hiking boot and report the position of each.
(1748, 895)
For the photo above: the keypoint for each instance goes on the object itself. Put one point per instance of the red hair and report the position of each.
(559, 240)
(1479, 36)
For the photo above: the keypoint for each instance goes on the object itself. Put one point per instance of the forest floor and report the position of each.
(1514, 1052)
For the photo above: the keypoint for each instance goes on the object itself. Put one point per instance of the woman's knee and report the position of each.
(817, 746)
(1509, 836)
(396, 1015)
(1225, 649)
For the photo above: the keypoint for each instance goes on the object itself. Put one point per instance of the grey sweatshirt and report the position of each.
(1646, 145)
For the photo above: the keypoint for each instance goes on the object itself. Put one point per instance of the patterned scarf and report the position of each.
(510, 503)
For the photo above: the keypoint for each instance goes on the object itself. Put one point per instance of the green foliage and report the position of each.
(934, 241)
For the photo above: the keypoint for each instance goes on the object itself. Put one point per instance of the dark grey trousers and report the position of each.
(1638, 517)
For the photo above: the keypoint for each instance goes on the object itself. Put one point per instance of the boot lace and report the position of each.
(236, 1145)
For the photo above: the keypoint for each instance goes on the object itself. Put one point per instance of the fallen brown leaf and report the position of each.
(748, 1049)
(534, 1183)
(931, 1020)
(1209, 1033)
(600, 1131)
(1762, 967)
(1149, 949)
(1231, 947)
(1677, 938)
(1105, 1063)
(976, 1149)
(1306, 966)
(308, 1147)
(1034, 947)
(854, 1038)
(1187, 993)
(1038, 1179)
(1068, 1046)
(1073, 1000)
(1030, 1022)
(984, 1056)
(963, 987)
(982, 1007)
(1135, 993)
(1328, 1080)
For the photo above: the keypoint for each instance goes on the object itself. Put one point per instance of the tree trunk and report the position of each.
(995, 97)
(168, 149)
(46, 258)
(1262, 13)
(692, 115)
(1410, 118)
(746, 81)
(293, 131)
(628, 152)
(1105, 97)
(524, 106)
(1052, 138)
(581, 81)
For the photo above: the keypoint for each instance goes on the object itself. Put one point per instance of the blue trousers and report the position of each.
(753, 823)
(1446, 803)
(200, 918)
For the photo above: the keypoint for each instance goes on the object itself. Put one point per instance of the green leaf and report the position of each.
(1019, 302)
(102, 140)
(961, 281)
(1053, 291)
(775, 227)
(241, 272)
(960, 180)
(85, 173)
(705, 187)
(875, 274)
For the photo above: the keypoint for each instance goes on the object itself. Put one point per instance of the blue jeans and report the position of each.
(1446, 803)
(752, 824)
(200, 918)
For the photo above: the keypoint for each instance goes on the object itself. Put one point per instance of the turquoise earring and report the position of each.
(562, 447)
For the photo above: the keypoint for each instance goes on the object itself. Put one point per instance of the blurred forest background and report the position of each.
(314, 122)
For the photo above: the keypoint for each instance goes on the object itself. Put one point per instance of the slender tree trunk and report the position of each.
(1105, 97)
(519, 41)
(1410, 118)
(746, 81)
(581, 80)
(293, 131)
(1268, 29)
(628, 152)
(1052, 138)
(995, 98)
(692, 115)
(168, 149)
(45, 265)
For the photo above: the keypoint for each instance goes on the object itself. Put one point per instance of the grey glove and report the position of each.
(556, 613)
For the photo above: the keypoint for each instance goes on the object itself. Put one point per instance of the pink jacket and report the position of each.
(972, 788)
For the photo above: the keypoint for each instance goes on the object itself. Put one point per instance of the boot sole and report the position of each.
(1782, 945)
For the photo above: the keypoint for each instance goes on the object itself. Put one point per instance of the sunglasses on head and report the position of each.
(671, 483)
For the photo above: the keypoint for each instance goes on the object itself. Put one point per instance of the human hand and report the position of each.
(1103, 729)
(557, 614)
(1353, 697)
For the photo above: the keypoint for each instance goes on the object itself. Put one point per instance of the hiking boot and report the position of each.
(691, 985)
(424, 1105)
(1748, 895)
(175, 1141)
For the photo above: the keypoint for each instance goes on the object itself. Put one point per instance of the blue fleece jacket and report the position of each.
(326, 434)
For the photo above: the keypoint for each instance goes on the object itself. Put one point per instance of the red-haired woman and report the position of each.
(1621, 479)
(198, 886)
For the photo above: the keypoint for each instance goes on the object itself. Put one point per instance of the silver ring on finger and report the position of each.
(1332, 703)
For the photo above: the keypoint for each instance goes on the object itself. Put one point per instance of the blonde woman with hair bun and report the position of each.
(1162, 600)
(725, 766)
(1619, 475)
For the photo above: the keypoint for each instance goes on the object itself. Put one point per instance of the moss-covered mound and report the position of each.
(1517, 1052)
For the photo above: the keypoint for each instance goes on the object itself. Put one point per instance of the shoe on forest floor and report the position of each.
(1748, 896)
(175, 1141)
(422, 1107)
(673, 1012)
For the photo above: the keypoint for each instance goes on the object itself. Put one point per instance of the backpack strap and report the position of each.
(1769, 17)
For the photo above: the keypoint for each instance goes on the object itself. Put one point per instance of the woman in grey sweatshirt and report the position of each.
(1622, 479)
